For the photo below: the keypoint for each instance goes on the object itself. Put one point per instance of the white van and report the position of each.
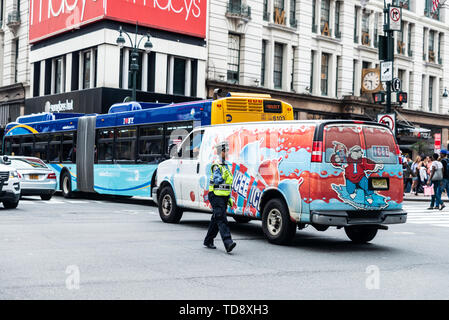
(290, 174)
(9, 184)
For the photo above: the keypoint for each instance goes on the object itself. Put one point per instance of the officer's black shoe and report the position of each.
(210, 246)
(230, 247)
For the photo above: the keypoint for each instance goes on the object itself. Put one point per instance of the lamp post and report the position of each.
(134, 54)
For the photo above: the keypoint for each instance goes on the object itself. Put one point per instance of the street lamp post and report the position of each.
(134, 54)
(390, 52)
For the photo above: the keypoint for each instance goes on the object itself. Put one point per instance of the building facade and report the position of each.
(14, 59)
(77, 65)
(313, 53)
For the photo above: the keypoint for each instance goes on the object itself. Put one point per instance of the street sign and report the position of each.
(397, 85)
(386, 71)
(395, 18)
(389, 120)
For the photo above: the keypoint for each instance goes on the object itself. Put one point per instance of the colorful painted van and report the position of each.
(344, 174)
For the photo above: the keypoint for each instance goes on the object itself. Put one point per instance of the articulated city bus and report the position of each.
(118, 153)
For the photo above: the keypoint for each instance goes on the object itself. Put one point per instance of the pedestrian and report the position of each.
(219, 196)
(423, 173)
(407, 174)
(436, 177)
(415, 175)
(445, 163)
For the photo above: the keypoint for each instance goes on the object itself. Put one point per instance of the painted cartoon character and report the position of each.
(357, 169)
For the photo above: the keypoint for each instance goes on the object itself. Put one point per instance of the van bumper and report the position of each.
(348, 218)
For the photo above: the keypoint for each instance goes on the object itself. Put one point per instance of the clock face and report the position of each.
(371, 81)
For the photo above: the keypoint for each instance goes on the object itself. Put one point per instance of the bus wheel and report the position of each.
(240, 219)
(276, 223)
(66, 185)
(361, 234)
(168, 209)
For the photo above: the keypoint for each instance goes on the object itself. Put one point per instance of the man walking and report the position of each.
(219, 195)
(445, 162)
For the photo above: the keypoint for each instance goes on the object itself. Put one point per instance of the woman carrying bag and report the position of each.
(436, 177)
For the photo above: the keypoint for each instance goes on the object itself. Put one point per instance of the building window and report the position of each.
(365, 29)
(314, 28)
(262, 69)
(424, 44)
(293, 22)
(312, 57)
(440, 60)
(429, 12)
(431, 93)
(179, 76)
(265, 10)
(87, 58)
(354, 67)
(337, 19)
(337, 75)
(404, 4)
(432, 46)
(36, 78)
(409, 39)
(279, 13)
(325, 14)
(59, 75)
(233, 58)
(376, 30)
(278, 65)
(292, 85)
(356, 25)
(324, 73)
(16, 60)
(400, 43)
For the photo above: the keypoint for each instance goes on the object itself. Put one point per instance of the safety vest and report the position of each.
(223, 189)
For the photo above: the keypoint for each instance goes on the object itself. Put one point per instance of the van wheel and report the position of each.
(361, 234)
(10, 204)
(66, 185)
(168, 209)
(276, 223)
(240, 219)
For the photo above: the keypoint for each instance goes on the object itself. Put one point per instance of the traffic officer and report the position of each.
(219, 196)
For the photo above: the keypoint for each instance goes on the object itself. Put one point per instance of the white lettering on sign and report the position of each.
(188, 8)
(59, 107)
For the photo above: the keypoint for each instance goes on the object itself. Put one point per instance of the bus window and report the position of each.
(41, 146)
(69, 147)
(15, 146)
(125, 144)
(175, 133)
(105, 145)
(27, 145)
(7, 146)
(151, 144)
(54, 150)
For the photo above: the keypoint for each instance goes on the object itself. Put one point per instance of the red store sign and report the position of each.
(51, 17)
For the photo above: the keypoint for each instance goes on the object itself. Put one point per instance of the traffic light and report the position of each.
(402, 97)
(379, 97)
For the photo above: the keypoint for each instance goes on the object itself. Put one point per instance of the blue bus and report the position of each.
(118, 153)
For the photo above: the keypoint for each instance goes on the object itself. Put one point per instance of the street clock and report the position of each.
(371, 80)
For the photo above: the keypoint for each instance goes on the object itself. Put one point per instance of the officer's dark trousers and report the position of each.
(218, 222)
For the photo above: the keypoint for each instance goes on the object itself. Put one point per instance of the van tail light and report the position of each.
(317, 151)
(398, 153)
(51, 176)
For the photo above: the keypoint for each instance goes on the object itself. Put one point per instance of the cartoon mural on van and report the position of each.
(357, 168)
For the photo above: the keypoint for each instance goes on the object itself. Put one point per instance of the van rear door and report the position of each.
(360, 170)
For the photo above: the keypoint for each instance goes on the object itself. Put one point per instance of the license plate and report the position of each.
(380, 184)
(34, 177)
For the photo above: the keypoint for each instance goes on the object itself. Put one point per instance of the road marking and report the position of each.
(419, 214)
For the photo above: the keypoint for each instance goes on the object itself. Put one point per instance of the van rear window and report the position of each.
(380, 145)
(342, 142)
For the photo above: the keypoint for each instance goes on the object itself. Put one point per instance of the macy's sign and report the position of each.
(50, 17)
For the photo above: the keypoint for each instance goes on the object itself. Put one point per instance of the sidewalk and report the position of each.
(421, 197)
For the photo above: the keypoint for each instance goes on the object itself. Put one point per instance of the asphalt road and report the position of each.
(120, 249)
